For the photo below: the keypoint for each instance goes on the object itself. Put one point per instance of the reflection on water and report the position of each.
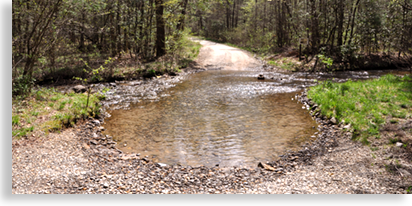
(220, 117)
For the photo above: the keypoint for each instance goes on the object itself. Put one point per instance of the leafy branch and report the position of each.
(94, 73)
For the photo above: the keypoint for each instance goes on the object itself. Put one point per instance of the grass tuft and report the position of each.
(15, 120)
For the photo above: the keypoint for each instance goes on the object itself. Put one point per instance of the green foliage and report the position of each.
(55, 98)
(15, 120)
(23, 131)
(288, 66)
(152, 72)
(364, 104)
(22, 85)
(95, 74)
(393, 140)
(102, 95)
(327, 61)
(61, 106)
(67, 109)
(344, 88)
(274, 63)
(364, 27)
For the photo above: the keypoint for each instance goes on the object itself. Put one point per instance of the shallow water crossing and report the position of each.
(228, 118)
(215, 117)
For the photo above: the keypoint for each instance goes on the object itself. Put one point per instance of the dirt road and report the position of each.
(219, 56)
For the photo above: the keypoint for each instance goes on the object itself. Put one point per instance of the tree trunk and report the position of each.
(237, 13)
(353, 23)
(340, 22)
(181, 23)
(227, 14)
(314, 27)
(118, 30)
(255, 15)
(233, 13)
(112, 36)
(141, 33)
(81, 47)
(160, 29)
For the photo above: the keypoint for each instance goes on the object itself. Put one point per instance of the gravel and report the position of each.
(69, 163)
(81, 160)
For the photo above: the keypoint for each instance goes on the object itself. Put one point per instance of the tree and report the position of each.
(160, 29)
(38, 35)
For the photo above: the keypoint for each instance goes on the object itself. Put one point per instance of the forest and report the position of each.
(79, 38)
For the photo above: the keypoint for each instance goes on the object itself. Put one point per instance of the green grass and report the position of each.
(365, 104)
(284, 63)
(49, 110)
(273, 63)
(15, 120)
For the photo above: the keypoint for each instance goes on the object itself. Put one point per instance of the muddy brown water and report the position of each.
(228, 118)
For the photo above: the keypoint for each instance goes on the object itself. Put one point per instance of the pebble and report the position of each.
(161, 164)
(399, 144)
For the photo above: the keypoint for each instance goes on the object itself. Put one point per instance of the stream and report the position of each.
(220, 117)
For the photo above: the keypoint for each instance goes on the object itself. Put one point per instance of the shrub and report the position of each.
(22, 85)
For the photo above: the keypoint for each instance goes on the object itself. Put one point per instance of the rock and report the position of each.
(79, 89)
(399, 144)
(96, 122)
(266, 166)
(261, 77)
(113, 84)
(93, 142)
(134, 83)
(294, 158)
(333, 120)
(161, 164)
(404, 172)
